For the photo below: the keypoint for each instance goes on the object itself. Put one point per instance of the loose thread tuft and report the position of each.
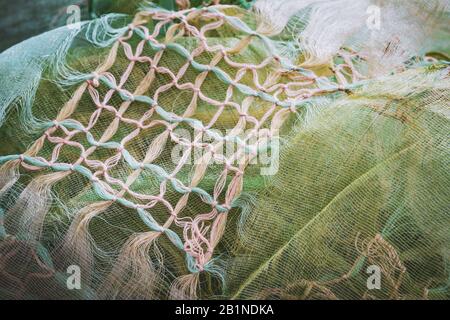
(246, 202)
(141, 266)
(33, 204)
(9, 174)
(185, 287)
(78, 243)
(102, 33)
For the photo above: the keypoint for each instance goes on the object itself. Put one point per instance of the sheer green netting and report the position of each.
(364, 182)
(93, 118)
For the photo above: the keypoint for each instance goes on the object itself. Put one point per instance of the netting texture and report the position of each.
(145, 150)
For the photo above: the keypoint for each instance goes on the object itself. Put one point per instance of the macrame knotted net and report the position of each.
(197, 153)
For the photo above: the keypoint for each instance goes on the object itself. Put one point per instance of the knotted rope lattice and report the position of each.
(276, 87)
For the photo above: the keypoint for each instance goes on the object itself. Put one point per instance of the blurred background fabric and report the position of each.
(22, 19)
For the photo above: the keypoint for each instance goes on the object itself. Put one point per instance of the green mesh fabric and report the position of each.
(365, 182)
(115, 158)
